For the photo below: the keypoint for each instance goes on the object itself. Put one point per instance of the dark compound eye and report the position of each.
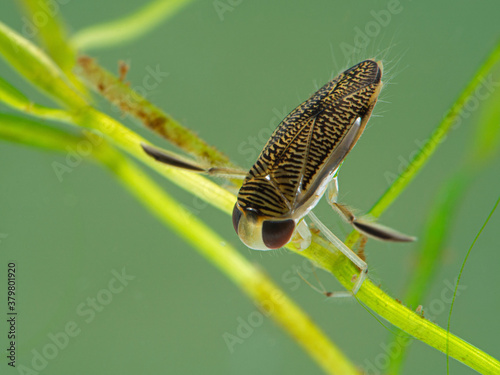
(276, 234)
(236, 217)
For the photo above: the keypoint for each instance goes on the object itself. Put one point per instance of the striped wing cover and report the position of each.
(300, 148)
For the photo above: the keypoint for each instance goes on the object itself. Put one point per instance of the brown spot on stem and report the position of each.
(123, 69)
(84, 61)
(157, 123)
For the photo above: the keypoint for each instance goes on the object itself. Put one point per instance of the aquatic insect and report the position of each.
(300, 163)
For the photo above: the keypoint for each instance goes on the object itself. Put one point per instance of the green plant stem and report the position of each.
(437, 137)
(486, 142)
(327, 257)
(24, 131)
(126, 29)
(16, 99)
(268, 297)
(433, 244)
(52, 32)
(38, 69)
(436, 234)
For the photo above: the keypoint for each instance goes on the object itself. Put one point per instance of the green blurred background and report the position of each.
(231, 76)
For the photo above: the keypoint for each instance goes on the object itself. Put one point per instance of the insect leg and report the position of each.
(174, 160)
(345, 250)
(305, 235)
(322, 289)
(370, 229)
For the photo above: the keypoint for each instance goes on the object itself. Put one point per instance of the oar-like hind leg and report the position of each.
(368, 228)
(177, 161)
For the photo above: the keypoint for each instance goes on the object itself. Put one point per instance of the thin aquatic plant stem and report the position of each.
(123, 30)
(458, 282)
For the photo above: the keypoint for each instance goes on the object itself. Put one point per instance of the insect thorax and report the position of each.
(262, 196)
